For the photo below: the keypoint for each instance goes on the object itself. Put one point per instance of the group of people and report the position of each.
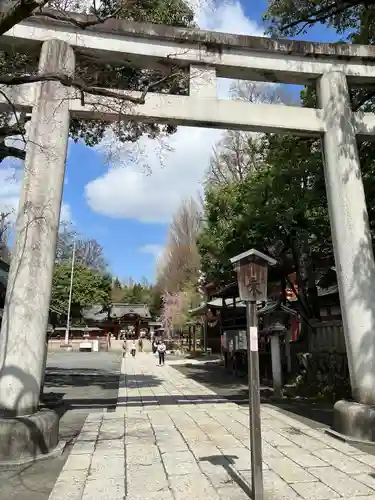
(133, 348)
(157, 346)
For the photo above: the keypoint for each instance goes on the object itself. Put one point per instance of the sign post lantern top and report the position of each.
(252, 272)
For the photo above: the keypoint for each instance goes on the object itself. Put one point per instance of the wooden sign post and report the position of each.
(252, 272)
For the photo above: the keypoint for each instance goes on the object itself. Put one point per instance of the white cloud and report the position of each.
(65, 213)
(10, 179)
(127, 192)
(10, 187)
(152, 249)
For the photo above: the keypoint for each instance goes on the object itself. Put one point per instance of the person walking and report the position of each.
(134, 348)
(140, 344)
(124, 348)
(161, 351)
(154, 346)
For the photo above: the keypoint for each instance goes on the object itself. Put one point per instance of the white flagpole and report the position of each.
(70, 294)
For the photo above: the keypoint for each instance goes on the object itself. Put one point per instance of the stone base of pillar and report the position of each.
(353, 422)
(29, 438)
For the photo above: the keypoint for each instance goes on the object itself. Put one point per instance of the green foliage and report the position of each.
(352, 18)
(169, 12)
(90, 287)
(117, 284)
(269, 208)
(322, 375)
(155, 302)
(280, 208)
(137, 293)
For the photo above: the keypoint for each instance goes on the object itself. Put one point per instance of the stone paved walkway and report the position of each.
(173, 439)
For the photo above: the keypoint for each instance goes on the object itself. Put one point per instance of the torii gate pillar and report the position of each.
(24, 325)
(353, 252)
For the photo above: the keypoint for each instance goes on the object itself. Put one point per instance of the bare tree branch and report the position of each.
(14, 11)
(69, 81)
(238, 154)
(60, 15)
(11, 151)
(180, 264)
(89, 83)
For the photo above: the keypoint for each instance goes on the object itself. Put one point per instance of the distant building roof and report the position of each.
(216, 303)
(115, 311)
(274, 306)
(119, 310)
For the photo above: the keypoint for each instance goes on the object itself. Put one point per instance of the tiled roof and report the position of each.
(115, 311)
(119, 310)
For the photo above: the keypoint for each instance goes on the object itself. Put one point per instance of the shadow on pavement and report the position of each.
(65, 389)
(227, 461)
(61, 377)
(171, 399)
(139, 380)
(226, 385)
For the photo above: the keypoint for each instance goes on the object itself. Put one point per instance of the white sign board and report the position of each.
(253, 338)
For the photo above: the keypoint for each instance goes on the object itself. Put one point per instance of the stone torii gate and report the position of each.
(207, 55)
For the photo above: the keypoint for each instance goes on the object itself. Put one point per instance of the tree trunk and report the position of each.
(308, 277)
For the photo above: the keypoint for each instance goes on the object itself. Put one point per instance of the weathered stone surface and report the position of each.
(83, 448)
(354, 420)
(68, 490)
(147, 478)
(142, 455)
(315, 491)
(193, 486)
(107, 466)
(342, 462)
(78, 462)
(232, 492)
(104, 489)
(340, 482)
(111, 447)
(289, 470)
(30, 437)
(24, 324)
(276, 488)
(302, 457)
(179, 465)
(149, 495)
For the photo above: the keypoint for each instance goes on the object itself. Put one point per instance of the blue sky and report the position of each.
(115, 199)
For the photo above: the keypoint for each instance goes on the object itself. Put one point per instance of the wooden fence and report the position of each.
(327, 336)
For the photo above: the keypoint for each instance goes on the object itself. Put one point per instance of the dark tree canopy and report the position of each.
(90, 287)
(93, 74)
(352, 18)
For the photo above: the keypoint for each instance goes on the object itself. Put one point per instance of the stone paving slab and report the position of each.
(171, 438)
